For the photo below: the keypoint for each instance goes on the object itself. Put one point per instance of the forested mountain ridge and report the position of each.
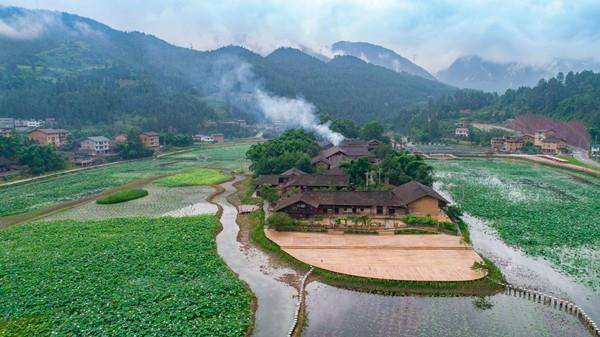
(83, 72)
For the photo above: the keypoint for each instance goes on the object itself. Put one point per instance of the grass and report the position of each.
(119, 277)
(543, 211)
(122, 196)
(196, 177)
(574, 161)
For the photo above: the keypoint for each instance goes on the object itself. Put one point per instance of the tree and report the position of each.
(41, 158)
(280, 220)
(294, 148)
(133, 147)
(402, 167)
(346, 127)
(269, 193)
(357, 170)
(9, 147)
(373, 130)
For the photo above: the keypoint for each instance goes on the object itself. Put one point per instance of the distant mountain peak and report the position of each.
(380, 56)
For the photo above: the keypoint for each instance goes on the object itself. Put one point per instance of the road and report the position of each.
(582, 156)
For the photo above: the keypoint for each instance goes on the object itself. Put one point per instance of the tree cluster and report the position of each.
(38, 158)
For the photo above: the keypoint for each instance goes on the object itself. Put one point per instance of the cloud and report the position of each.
(25, 27)
(435, 32)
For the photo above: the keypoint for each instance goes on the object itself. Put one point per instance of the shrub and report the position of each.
(122, 196)
(360, 231)
(420, 220)
(269, 193)
(412, 231)
(280, 220)
(308, 229)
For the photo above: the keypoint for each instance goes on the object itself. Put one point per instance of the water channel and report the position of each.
(276, 299)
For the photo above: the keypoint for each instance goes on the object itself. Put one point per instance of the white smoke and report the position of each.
(295, 112)
(237, 77)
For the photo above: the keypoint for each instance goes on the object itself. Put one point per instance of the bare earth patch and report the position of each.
(401, 257)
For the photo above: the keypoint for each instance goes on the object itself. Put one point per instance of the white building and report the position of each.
(96, 145)
(461, 132)
(595, 150)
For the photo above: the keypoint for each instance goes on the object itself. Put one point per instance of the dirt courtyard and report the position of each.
(436, 257)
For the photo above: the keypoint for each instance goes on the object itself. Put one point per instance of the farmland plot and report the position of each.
(545, 212)
(160, 201)
(46, 192)
(226, 156)
(119, 277)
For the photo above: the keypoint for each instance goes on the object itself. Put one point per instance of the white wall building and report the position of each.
(96, 145)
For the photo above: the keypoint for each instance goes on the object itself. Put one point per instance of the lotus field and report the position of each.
(119, 277)
(543, 211)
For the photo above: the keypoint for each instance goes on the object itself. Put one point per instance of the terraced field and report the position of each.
(543, 211)
(119, 277)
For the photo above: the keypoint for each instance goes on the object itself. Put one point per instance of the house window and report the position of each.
(379, 209)
(392, 211)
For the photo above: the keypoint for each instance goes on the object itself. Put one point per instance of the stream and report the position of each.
(276, 299)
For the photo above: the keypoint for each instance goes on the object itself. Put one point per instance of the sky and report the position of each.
(433, 33)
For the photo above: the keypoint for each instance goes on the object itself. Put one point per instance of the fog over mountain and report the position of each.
(474, 72)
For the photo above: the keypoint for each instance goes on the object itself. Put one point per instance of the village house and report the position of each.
(410, 198)
(96, 145)
(297, 180)
(347, 150)
(218, 137)
(510, 144)
(461, 132)
(150, 139)
(553, 145)
(540, 135)
(120, 138)
(595, 150)
(56, 137)
(203, 139)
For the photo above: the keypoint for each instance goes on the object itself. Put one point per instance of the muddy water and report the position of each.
(336, 312)
(525, 271)
(276, 299)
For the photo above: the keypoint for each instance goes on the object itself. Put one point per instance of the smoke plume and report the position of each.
(236, 78)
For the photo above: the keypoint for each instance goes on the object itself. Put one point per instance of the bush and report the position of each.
(420, 220)
(412, 231)
(360, 231)
(280, 220)
(122, 196)
(302, 229)
(269, 193)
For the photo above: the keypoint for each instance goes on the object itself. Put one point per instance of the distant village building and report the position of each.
(203, 139)
(7, 123)
(540, 135)
(96, 145)
(120, 138)
(150, 139)
(5, 132)
(553, 145)
(348, 149)
(218, 137)
(595, 150)
(461, 132)
(56, 137)
(295, 179)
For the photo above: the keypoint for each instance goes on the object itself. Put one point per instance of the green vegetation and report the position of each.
(280, 220)
(412, 231)
(122, 196)
(429, 221)
(133, 147)
(294, 148)
(543, 211)
(196, 177)
(574, 161)
(38, 158)
(119, 277)
(360, 231)
(46, 192)
(225, 156)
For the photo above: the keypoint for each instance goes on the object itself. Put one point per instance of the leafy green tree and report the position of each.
(9, 147)
(373, 130)
(269, 193)
(346, 127)
(294, 148)
(402, 167)
(357, 170)
(176, 139)
(41, 158)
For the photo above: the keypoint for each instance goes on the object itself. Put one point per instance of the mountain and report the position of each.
(85, 73)
(476, 73)
(380, 56)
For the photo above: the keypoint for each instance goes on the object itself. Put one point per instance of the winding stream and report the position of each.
(276, 299)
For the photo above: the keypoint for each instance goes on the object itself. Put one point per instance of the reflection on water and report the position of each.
(334, 312)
